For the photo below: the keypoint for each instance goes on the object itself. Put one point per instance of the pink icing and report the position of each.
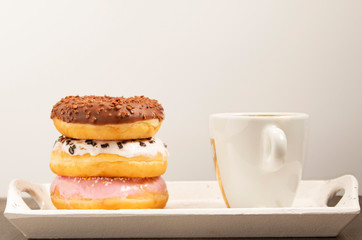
(104, 187)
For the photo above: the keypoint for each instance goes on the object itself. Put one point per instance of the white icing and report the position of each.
(129, 149)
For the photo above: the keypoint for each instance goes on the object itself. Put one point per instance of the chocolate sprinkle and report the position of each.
(151, 141)
(120, 145)
(71, 150)
(165, 145)
(105, 145)
(100, 110)
(90, 142)
(142, 144)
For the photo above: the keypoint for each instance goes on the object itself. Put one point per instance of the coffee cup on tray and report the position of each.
(258, 157)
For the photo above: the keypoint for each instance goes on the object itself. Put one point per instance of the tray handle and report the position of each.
(348, 183)
(36, 191)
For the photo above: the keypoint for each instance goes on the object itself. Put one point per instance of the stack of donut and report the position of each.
(107, 156)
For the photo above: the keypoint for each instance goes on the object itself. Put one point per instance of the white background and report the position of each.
(196, 58)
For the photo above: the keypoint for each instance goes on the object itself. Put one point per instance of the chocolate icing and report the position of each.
(100, 110)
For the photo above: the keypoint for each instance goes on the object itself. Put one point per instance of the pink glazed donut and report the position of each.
(108, 193)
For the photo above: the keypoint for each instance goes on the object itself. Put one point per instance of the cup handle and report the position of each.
(36, 191)
(275, 148)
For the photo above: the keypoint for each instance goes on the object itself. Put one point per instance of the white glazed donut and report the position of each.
(90, 158)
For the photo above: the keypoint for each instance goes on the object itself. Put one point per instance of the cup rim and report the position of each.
(260, 115)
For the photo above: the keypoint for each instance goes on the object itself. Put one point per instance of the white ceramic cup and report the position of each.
(258, 157)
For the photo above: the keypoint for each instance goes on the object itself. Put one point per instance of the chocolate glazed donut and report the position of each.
(107, 118)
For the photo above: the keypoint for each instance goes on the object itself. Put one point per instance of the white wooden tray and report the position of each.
(195, 209)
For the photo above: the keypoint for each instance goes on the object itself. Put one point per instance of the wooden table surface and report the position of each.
(353, 231)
